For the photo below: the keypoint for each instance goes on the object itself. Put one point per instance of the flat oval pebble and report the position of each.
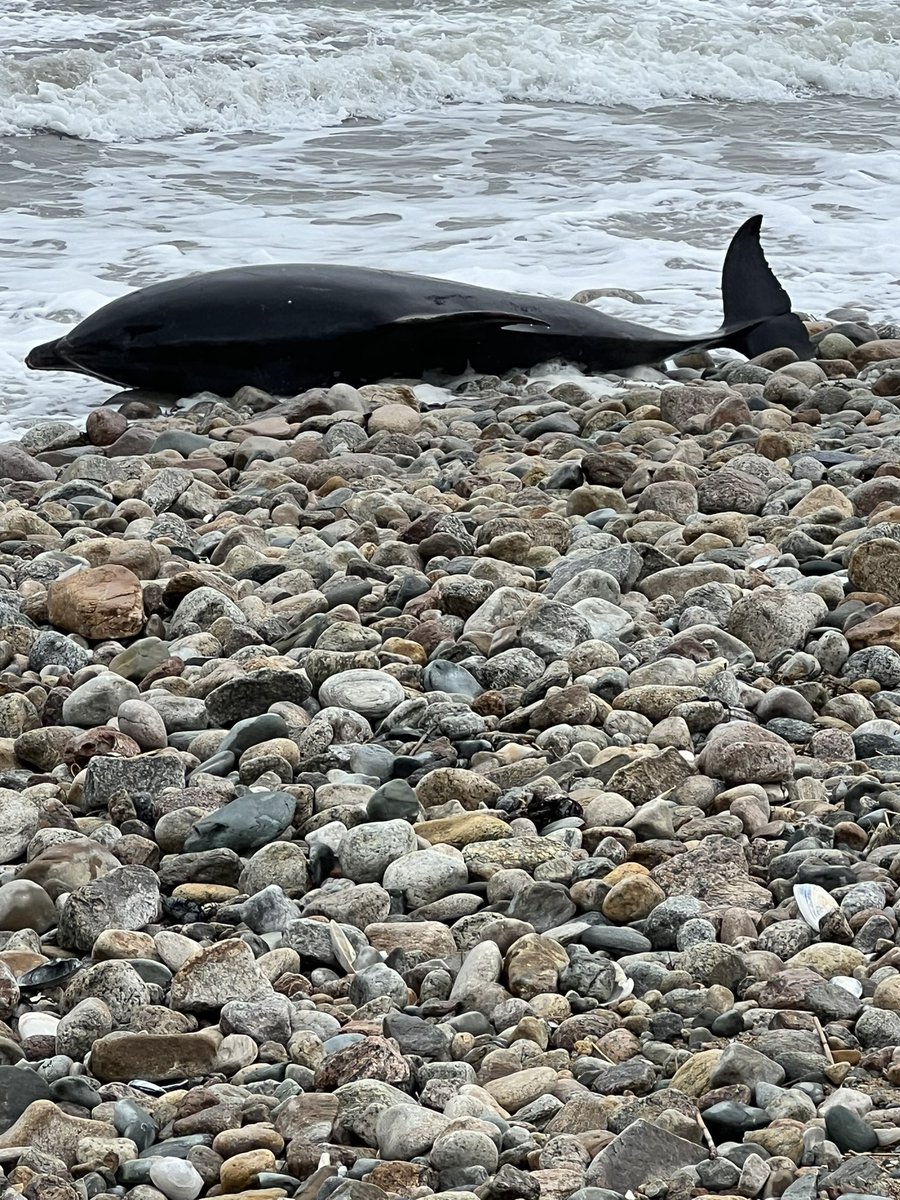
(366, 692)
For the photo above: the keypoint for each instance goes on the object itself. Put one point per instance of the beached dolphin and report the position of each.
(287, 328)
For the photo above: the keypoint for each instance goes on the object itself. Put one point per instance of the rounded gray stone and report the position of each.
(97, 699)
(378, 980)
(127, 898)
(366, 850)
(464, 1148)
(25, 905)
(405, 1131)
(141, 721)
(425, 876)
(244, 825)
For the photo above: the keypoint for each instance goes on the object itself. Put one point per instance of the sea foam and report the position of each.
(229, 69)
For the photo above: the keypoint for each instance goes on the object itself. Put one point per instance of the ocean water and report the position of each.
(541, 147)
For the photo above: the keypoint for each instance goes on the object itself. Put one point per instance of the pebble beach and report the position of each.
(487, 793)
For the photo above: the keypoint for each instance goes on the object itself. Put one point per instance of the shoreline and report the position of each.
(498, 798)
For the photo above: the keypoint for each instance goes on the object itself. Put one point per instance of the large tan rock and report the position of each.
(462, 830)
(828, 958)
(887, 994)
(238, 1172)
(43, 1126)
(224, 971)
(272, 1193)
(67, 866)
(430, 937)
(157, 1057)
(632, 899)
(516, 1090)
(533, 964)
(450, 783)
(693, 1077)
(741, 752)
(136, 555)
(98, 603)
(823, 496)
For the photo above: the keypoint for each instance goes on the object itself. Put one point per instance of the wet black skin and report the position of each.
(287, 328)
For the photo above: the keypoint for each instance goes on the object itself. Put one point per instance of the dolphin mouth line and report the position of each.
(50, 357)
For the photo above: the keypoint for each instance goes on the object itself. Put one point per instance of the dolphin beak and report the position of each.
(47, 357)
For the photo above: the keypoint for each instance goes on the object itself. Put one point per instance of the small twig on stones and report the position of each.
(823, 1039)
(707, 1137)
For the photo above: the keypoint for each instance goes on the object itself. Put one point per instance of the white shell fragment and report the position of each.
(340, 944)
(813, 902)
(623, 989)
(849, 984)
(37, 1024)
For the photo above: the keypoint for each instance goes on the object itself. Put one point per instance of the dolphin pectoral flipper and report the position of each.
(472, 320)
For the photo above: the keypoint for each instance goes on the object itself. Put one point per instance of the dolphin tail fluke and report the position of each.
(758, 314)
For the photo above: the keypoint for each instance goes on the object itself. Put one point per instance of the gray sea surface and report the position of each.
(538, 147)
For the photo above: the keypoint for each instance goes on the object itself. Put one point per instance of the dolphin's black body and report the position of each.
(292, 327)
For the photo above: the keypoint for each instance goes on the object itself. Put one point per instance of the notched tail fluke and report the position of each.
(758, 314)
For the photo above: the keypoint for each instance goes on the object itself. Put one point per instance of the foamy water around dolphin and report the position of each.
(537, 147)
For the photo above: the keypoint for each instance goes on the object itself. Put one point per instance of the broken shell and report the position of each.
(849, 984)
(102, 740)
(813, 902)
(37, 1024)
(50, 974)
(340, 944)
(623, 987)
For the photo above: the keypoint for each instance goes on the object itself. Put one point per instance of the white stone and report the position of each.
(176, 1178)
(366, 850)
(504, 607)
(236, 1051)
(174, 948)
(367, 692)
(327, 835)
(604, 618)
(142, 722)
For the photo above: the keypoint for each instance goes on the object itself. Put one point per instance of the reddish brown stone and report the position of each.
(105, 426)
(881, 630)
(401, 1178)
(877, 351)
(375, 1058)
(100, 740)
(875, 566)
(837, 368)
